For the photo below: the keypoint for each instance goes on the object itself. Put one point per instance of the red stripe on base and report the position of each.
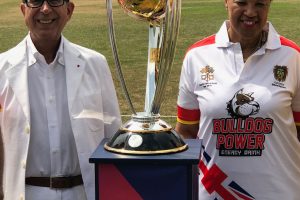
(113, 185)
(188, 115)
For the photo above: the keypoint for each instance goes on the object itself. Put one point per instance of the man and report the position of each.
(47, 86)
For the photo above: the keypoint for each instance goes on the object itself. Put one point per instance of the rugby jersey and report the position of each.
(246, 114)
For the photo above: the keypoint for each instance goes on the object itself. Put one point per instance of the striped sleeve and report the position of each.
(188, 110)
(186, 116)
(296, 98)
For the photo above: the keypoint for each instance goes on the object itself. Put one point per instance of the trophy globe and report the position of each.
(146, 133)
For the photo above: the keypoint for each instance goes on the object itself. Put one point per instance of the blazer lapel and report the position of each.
(18, 80)
(17, 76)
(74, 71)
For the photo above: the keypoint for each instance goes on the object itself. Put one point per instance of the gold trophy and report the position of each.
(146, 133)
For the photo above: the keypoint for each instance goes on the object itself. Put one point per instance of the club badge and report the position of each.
(280, 73)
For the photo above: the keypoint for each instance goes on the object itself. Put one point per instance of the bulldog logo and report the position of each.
(242, 105)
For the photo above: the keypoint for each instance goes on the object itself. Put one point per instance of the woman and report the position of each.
(240, 93)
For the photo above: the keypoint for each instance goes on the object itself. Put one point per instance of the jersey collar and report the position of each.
(273, 41)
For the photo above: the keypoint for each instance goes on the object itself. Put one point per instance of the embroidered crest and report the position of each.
(280, 73)
(207, 73)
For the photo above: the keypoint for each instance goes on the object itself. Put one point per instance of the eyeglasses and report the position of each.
(39, 3)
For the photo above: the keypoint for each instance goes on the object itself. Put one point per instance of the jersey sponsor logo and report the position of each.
(242, 134)
(280, 73)
(207, 77)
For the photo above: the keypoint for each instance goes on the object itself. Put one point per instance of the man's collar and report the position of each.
(34, 55)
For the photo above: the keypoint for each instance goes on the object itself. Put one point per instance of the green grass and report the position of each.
(88, 27)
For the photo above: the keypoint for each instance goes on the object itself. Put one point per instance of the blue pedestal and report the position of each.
(149, 177)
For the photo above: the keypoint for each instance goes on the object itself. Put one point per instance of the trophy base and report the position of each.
(146, 135)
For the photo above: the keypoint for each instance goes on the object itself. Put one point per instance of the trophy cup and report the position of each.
(146, 133)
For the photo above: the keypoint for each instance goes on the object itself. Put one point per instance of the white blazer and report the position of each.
(89, 87)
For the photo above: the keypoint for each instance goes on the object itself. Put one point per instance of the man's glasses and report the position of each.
(39, 3)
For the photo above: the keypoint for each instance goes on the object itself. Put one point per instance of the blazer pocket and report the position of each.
(92, 112)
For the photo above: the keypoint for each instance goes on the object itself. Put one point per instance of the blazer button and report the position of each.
(27, 129)
(23, 164)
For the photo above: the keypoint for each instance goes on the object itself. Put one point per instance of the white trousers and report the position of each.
(45, 193)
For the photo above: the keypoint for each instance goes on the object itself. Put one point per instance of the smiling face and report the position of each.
(46, 23)
(247, 18)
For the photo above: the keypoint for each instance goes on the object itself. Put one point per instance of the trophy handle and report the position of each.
(116, 55)
(170, 29)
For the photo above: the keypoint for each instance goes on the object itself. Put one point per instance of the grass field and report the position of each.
(88, 28)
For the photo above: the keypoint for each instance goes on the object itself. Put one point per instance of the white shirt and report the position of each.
(250, 147)
(52, 150)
